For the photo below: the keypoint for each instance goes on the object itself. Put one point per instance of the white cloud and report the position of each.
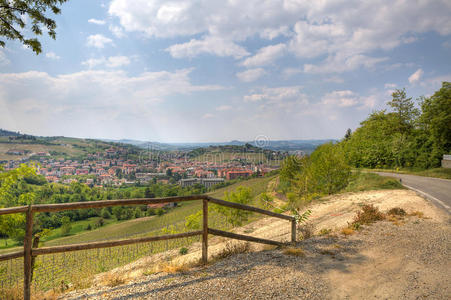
(97, 22)
(251, 75)
(208, 116)
(110, 62)
(339, 31)
(265, 56)
(209, 45)
(340, 98)
(117, 31)
(288, 72)
(98, 41)
(104, 100)
(3, 59)
(339, 64)
(52, 55)
(416, 76)
(276, 95)
(390, 85)
(223, 108)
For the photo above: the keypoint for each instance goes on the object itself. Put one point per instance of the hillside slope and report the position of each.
(384, 260)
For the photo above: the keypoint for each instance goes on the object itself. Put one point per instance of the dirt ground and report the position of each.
(406, 260)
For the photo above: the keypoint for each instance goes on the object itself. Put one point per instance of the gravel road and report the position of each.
(383, 261)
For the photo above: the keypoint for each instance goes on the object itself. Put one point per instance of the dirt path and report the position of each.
(383, 261)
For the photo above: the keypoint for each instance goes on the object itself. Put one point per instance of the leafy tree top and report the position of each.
(13, 14)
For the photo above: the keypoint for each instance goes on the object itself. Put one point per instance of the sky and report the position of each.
(212, 71)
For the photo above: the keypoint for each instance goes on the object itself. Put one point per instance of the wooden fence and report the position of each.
(30, 249)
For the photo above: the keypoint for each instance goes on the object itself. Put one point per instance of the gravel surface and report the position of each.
(383, 261)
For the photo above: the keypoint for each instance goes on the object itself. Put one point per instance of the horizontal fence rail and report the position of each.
(30, 251)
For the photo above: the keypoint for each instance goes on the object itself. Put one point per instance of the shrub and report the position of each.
(183, 251)
(397, 211)
(369, 214)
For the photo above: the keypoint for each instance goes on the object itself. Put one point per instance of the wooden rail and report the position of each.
(30, 251)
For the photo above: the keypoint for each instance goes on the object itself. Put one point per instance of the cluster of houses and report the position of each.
(110, 169)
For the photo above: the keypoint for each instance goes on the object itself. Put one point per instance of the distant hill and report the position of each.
(281, 145)
(4, 132)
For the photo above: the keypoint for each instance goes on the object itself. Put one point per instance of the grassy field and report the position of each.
(363, 181)
(436, 172)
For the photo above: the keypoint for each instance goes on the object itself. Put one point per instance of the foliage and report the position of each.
(66, 226)
(12, 20)
(183, 251)
(14, 192)
(369, 214)
(193, 221)
(407, 137)
(236, 217)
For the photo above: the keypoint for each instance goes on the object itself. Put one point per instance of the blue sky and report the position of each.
(199, 71)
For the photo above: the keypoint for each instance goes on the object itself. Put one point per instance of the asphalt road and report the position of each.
(435, 189)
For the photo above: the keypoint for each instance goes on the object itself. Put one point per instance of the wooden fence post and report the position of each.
(27, 254)
(33, 258)
(205, 232)
(293, 231)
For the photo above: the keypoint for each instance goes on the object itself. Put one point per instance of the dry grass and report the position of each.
(232, 249)
(113, 280)
(368, 215)
(418, 214)
(325, 231)
(347, 231)
(294, 251)
(13, 293)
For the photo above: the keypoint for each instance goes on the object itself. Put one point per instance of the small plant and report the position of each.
(369, 214)
(183, 251)
(325, 231)
(306, 231)
(355, 226)
(396, 211)
(418, 214)
(294, 251)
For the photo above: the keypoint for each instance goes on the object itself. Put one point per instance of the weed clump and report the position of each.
(183, 251)
(397, 211)
(232, 249)
(368, 215)
(325, 231)
(294, 251)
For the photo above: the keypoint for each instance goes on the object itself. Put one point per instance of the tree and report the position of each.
(236, 217)
(348, 134)
(14, 193)
(435, 121)
(66, 226)
(404, 109)
(12, 13)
